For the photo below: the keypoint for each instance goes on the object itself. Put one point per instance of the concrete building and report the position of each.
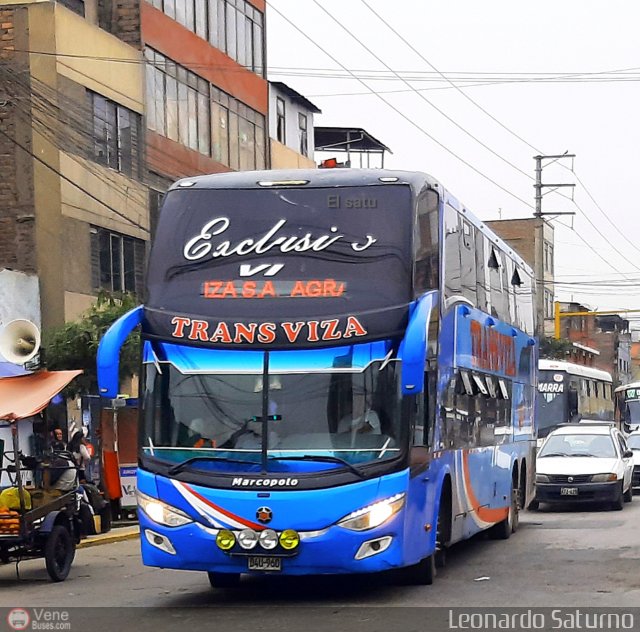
(609, 335)
(102, 106)
(524, 236)
(206, 92)
(74, 207)
(290, 128)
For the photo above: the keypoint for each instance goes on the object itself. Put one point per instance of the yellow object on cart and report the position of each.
(10, 498)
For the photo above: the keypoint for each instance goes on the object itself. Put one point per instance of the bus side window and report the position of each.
(426, 243)
(572, 400)
(452, 254)
(482, 274)
(468, 261)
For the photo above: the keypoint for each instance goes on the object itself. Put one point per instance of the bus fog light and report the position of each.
(225, 539)
(373, 547)
(268, 539)
(159, 541)
(289, 539)
(247, 539)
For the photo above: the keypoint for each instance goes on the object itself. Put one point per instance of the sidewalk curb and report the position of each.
(109, 538)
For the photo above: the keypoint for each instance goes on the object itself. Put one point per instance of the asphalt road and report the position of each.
(571, 557)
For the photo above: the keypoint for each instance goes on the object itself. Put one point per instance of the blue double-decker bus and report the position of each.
(338, 376)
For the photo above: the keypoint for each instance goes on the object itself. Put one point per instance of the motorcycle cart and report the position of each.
(45, 521)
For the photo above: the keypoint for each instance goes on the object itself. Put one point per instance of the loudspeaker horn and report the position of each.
(19, 341)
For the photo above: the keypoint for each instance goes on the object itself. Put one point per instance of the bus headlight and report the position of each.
(604, 478)
(373, 515)
(542, 478)
(161, 512)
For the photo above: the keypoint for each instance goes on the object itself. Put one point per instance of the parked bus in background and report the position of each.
(338, 376)
(568, 393)
(627, 400)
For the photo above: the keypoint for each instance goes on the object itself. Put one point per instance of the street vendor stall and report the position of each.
(43, 518)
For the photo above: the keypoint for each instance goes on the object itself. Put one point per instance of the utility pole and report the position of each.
(539, 257)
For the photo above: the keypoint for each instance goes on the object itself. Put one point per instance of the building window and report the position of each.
(548, 257)
(302, 129)
(233, 26)
(115, 135)
(238, 133)
(548, 304)
(77, 6)
(281, 134)
(187, 109)
(178, 103)
(117, 261)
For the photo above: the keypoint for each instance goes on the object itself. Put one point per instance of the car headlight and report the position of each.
(161, 512)
(373, 515)
(604, 478)
(542, 478)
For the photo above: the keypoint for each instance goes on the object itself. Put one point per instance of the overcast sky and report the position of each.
(509, 45)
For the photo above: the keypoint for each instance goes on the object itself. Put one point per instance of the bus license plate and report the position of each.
(568, 491)
(261, 563)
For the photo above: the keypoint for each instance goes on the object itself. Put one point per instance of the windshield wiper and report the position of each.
(541, 456)
(320, 457)
(180, 466)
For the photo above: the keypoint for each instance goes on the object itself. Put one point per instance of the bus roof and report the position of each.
(574, 369)
(624, 387)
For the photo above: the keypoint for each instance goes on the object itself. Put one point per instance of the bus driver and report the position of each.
(363, 419)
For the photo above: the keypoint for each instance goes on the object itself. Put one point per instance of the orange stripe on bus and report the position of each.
(484, 513)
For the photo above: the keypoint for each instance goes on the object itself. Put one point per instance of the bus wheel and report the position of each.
(628, 495)
(424, 572)
(224, 580)
(504, 529)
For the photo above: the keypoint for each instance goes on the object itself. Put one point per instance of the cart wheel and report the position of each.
(59, 551)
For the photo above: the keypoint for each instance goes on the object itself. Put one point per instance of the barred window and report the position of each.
(117, 261)
(116, 133)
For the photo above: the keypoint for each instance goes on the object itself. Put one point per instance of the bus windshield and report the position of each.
(352, 415)
(552, 401)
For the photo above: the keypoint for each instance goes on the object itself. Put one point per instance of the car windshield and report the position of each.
(351, 415)
(588, 445)
(633, 441)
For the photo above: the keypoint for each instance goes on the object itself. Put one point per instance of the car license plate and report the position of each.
(262, 563)
(568, 491)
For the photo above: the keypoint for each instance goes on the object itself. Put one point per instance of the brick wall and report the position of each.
(122, 19)
(17, 219)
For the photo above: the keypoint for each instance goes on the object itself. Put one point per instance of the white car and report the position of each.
(633, 441)
(584, 462)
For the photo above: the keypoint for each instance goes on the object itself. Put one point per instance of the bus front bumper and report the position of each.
(333, 550)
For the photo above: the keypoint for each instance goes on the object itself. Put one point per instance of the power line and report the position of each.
(621, 74)
(75, 184)
(435, 107)
(493, 118)
(402, 114)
